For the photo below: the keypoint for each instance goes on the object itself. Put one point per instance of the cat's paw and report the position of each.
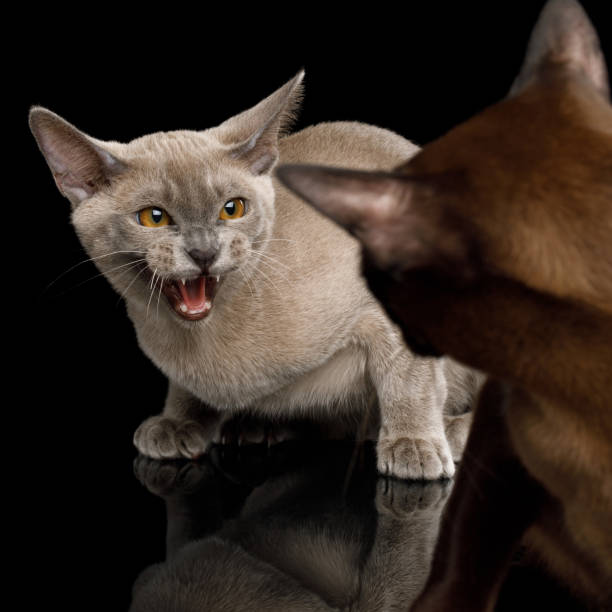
(415, 458)
(160, 437)
(457, 429)
(404, 500)
(166, 478)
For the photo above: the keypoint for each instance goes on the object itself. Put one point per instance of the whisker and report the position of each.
(269, 280)
(152, 288)
(248, 282)
(135, 265)
(136, 261)
(131, 263)
(85, 261)
(158, 297)
(277, 272)
(271, 259)
(273, 240)
(124, 293)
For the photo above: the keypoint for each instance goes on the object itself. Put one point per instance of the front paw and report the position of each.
(415, 458)
(160, 437)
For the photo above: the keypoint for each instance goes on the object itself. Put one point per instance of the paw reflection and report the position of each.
(165, 478)
(411, 499)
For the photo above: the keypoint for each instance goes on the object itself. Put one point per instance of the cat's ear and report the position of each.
(253, 134)
(376, 207)
(399, 219)
(80, 164)
(358, 200)
(564, 35)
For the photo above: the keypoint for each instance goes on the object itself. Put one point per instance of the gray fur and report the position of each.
(293, 329)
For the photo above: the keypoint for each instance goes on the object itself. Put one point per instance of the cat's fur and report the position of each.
(293, 329)
(494, 245)
(303, 540)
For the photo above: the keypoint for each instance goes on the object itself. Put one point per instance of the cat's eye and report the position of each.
(153, 217)
(232, 209)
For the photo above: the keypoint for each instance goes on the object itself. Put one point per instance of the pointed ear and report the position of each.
(564, 36)
(253, 135)
(80, 165)
(376, 207)
(354, 199)
(400, 220)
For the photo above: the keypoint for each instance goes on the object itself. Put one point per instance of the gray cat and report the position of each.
(245, 297)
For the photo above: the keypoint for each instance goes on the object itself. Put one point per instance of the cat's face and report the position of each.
(509, 208)
(188, 212)
(173, 218)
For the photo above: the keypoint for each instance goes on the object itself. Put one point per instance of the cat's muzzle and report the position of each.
(191, 299)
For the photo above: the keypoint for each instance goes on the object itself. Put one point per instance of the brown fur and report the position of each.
(494, 245)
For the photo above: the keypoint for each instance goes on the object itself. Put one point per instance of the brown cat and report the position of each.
(494, 245)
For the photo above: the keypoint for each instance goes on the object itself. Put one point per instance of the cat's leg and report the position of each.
(457, 429)
(493, 502)
(411, 394)
(186, 428)
(412, 441)
(464, 385)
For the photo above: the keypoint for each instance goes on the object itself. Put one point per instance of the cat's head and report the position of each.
(179, 214)
(517, 201)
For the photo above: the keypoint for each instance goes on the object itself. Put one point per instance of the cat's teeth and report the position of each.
(183, 281)
(217, 278)
(183, 307)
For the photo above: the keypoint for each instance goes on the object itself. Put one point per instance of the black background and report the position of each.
(83, 385)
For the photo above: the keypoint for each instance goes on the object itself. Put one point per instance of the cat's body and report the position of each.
(256, 304)
(277, 365)
(494, 245)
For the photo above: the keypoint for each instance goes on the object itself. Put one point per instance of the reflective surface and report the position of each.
(300, 526)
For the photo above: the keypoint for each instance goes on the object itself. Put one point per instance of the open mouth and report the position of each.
(191, 299)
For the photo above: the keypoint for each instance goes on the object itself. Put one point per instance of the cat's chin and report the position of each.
(191, 299)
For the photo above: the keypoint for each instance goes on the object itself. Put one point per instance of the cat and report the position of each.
(244, 297)
(493, 245)
(290, 535)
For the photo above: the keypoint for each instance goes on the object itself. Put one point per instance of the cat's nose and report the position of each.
(203, 258)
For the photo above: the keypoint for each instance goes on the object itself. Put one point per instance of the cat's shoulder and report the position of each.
(346, 143)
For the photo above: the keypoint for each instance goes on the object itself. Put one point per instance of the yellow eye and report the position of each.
(153, 217)
(234, 209)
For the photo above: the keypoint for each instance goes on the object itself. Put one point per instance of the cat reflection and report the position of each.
(251, 535)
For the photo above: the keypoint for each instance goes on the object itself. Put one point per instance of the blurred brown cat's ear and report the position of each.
(253, 134)
(355, 199)
(563, 36)
(396, 218)
(80, 166)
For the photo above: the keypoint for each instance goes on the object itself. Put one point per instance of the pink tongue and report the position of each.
(193, 292)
